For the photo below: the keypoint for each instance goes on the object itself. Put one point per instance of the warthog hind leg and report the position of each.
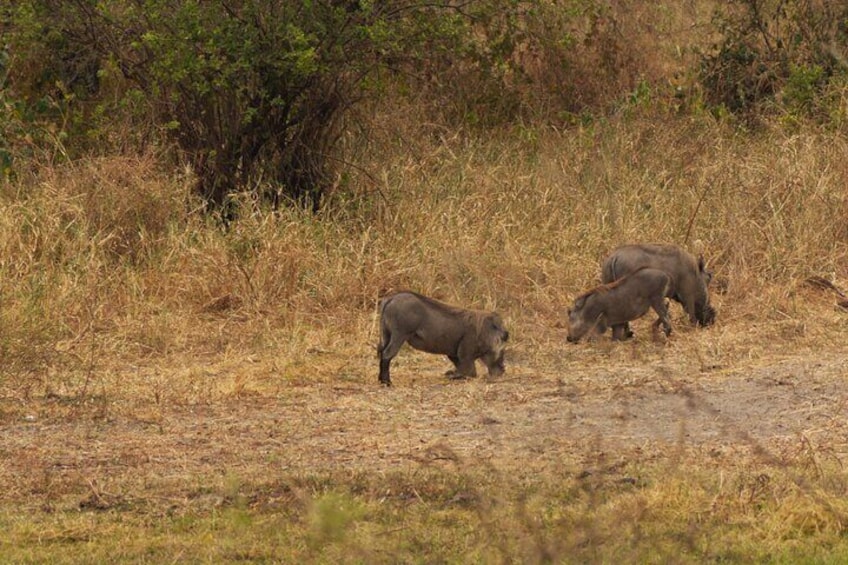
(387, 351)
(385, 379)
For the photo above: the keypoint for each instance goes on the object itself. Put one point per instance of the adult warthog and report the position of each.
(435, 327)
(617, 303)
(689, 277)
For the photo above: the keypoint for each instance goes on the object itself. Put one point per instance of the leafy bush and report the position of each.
(790, 48)
(252, 92)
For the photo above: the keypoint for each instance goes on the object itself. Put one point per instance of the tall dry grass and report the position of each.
(115, 252)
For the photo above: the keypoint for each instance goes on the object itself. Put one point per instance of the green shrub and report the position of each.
(775, 55)
(253, 93)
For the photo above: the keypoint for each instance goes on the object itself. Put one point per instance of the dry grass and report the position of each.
(179, 390)
(110, 251)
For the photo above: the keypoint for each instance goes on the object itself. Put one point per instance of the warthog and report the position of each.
(432, 326)
(689, 277)
(614, 304)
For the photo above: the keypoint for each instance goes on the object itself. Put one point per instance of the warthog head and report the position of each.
(705, 314)
(494, 336)
(579, 323)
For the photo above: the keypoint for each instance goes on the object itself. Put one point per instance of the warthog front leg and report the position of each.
(451, 373)
(661, 308)
(466, 369)
(621, 332)
(689, 307)
(463, 361)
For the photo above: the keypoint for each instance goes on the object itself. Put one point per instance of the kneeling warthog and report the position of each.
(432, 326)
(619, 302)
(689, 277)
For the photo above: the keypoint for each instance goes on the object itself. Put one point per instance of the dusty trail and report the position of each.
(525, 423)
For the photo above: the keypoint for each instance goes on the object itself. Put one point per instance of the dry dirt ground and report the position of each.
(580, 407)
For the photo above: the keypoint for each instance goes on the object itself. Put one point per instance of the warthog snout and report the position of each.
(496, 368)
(706, 316)
(578, 324)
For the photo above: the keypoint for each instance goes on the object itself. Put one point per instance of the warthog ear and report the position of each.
(702, 267)
(579, 303)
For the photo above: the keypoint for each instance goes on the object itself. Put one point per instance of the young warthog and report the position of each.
(432, 326)
(619, 302)
(689, 277)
